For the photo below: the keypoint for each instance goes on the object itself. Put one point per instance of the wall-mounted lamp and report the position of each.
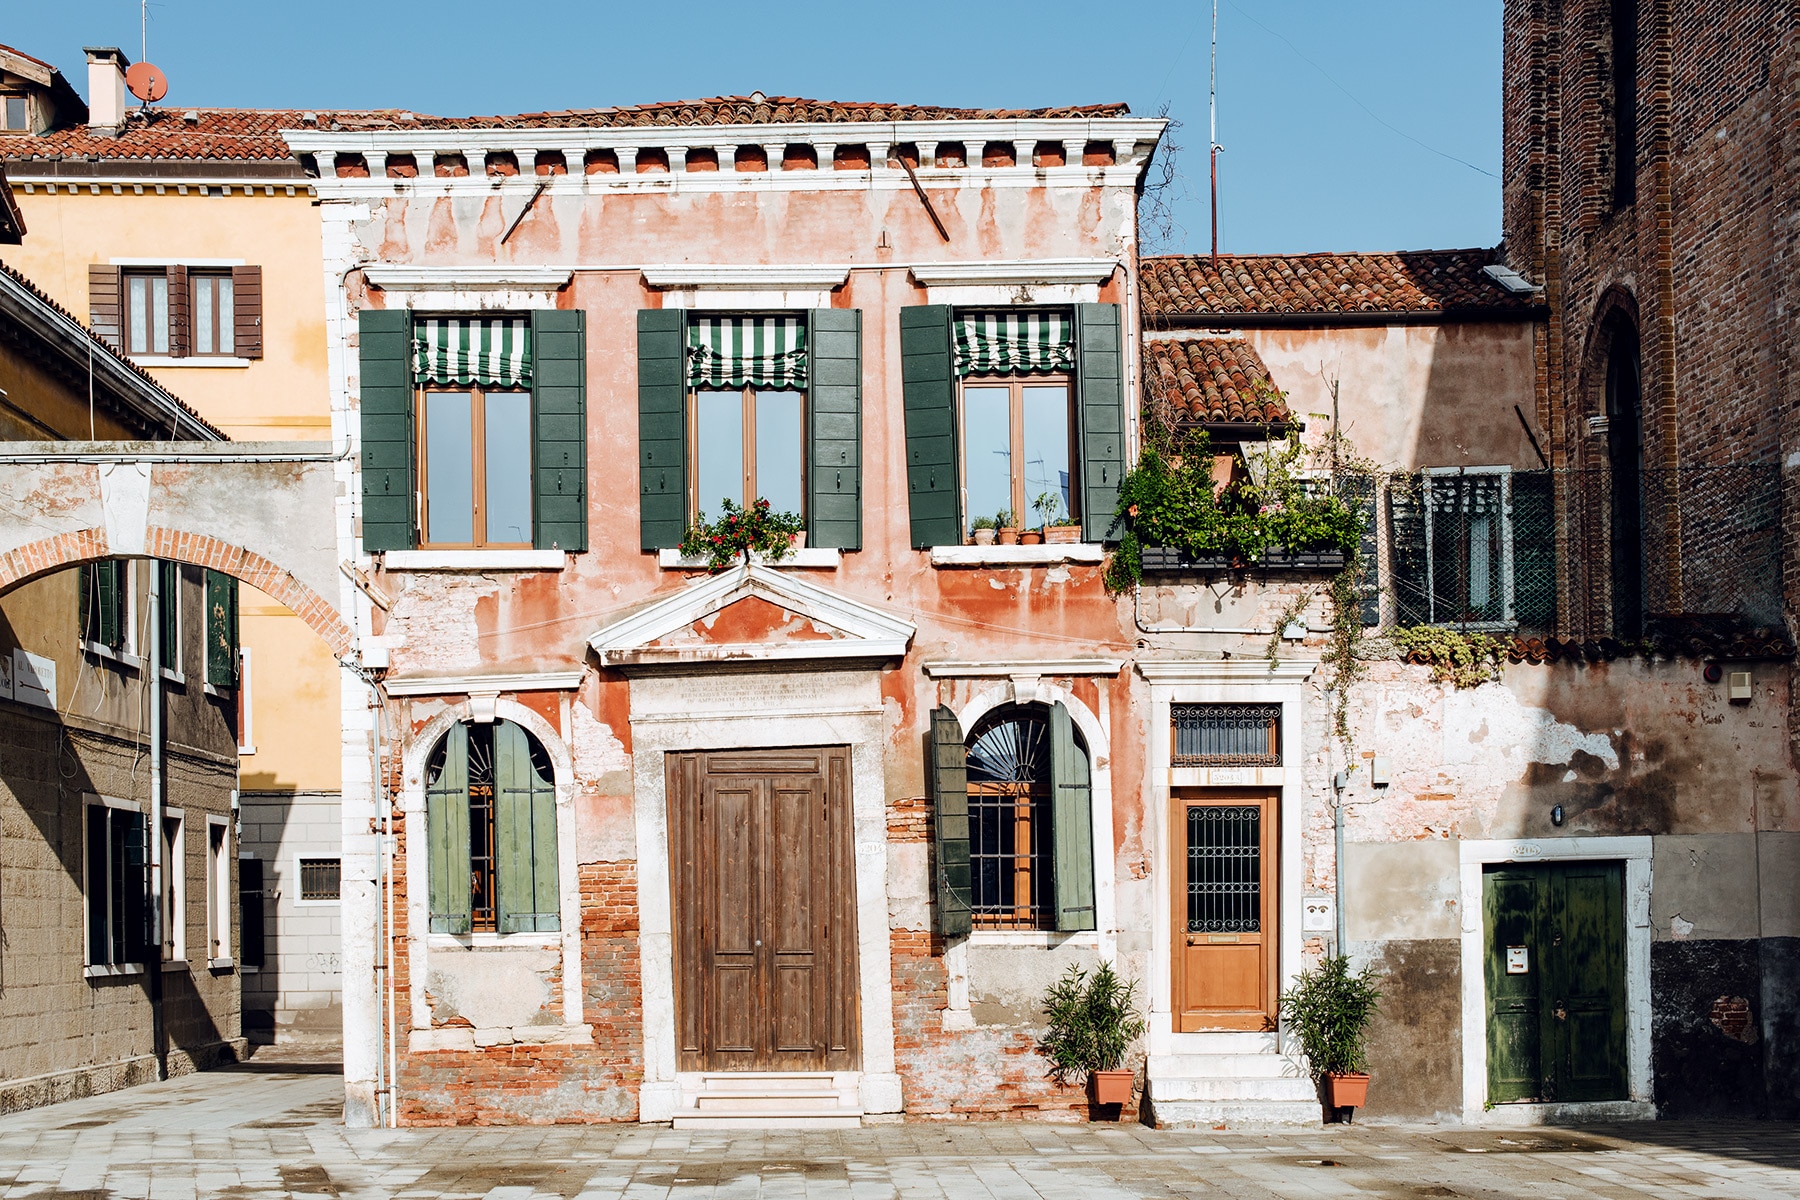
(1556, 816)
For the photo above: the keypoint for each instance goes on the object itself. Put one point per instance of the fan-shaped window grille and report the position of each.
(490, 807)
(1009, 820)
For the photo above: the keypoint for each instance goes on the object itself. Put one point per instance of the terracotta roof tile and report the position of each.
(1416, 281)
(1195, 380)
(255, 133)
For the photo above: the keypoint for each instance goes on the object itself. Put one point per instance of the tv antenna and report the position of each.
(145, 80)
(1213, 147)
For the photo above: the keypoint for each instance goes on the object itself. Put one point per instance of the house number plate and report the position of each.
(1518, 960)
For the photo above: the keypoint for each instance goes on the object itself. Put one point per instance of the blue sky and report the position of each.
(1342, 120)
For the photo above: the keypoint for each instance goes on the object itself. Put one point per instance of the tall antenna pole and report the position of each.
(144, 27)
(1213, 138)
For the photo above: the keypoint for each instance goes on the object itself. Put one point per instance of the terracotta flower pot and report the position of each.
(1062, 535)
(1031, 537)
(984, 537)
(1009, 537)
(1346, 1091)
(1111, 1087)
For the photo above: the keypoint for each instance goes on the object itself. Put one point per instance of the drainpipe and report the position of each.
(154, 670)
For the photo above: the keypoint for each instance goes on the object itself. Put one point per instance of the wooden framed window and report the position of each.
(747, 444)
(105, 605)
(15, 113)
(174, 891)
(146, 303)
(1009, 822)
(212, 308)
(1016, 434)
(219, 891)
(475, 468)
(491, 838)
(118, 885)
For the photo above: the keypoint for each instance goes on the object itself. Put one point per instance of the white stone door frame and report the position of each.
(1221, 681)
(1635, 853)
(821, 706)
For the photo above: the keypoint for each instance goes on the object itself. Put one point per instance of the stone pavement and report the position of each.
(251, 1132)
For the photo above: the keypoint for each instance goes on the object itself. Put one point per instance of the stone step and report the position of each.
(1229, 1043)
(1243, 1114)
(1234, 1088)
(1216, 1066)
(711, 1102)
(767, 1083)
(769, 1118)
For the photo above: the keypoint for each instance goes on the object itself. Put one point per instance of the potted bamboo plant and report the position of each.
(1329, 1010)
(1093, 1023)
(1057, 530)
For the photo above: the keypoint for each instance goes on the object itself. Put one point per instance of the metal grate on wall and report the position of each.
(1226, 735)
(1224, 869)
(320, 878)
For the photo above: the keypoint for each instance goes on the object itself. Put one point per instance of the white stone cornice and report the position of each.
(1015, 272)
(1036, 667)
(1226, 670)
(771, 277)
(463, 279)
(482, 685)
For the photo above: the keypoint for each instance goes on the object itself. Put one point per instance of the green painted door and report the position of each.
(1555, 973)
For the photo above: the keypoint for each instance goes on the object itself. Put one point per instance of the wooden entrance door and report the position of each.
(764, 906)
(1224, 926)
(1555, 975)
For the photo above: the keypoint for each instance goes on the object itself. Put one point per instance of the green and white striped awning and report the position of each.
(484, 351)
(737, 352)
(1013, 342)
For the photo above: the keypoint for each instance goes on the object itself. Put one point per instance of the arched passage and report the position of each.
(28, 562)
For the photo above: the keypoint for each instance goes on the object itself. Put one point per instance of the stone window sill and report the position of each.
(196, 360)
(482, 941)
(112, 970)
(806, 556)
(466, 1038)
(475, 560)
(123, 658)
(1043, 939)
(1017, 556)
(220, 964)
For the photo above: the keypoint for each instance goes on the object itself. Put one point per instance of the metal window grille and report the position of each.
(1224, 869)
(1009, 823)
(320, 878)
(1226, 735)
(484, 912)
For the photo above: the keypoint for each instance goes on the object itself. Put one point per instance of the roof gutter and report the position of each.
(1362, 319)
(123, 387)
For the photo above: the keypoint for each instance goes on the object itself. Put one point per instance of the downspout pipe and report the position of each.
(158, 880)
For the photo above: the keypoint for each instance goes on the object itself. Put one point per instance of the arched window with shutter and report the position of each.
(490, 819)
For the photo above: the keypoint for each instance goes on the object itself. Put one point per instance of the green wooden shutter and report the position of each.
(525, 837)
(1100, 415)
(384, 339)
(1406, 550)
(134, 886)
(559, 428)
(950, 822)
(1071, 825)
(662, 426)
(1358, 491)
(928, 388)
(169, 597)
(1534, 550)
(99, 949)
(102, 598)
(834, 428)
(447, 837)
(221, 630)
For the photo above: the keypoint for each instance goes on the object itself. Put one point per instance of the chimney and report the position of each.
(106, 88)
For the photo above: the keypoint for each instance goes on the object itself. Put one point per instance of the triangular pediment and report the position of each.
(750, 614)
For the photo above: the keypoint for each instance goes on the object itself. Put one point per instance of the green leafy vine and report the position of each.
(1456, 656)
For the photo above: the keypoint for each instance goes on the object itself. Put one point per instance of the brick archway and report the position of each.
(29, 561)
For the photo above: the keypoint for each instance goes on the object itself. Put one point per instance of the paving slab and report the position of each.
(264, 1132)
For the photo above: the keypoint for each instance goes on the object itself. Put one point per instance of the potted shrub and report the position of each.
(1093, 1022)
(1329, 1010)
(1003, 525)
(981, 529)
(1057, 530)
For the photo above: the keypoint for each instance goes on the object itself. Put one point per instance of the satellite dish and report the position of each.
(147, 82)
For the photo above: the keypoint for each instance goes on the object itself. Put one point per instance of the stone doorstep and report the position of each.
(1235, 1079)
(770, 1100)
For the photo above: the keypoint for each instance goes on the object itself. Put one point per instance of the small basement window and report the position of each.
(320, 878)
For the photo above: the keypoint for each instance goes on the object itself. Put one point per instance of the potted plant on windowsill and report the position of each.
(1003, 525)
(1057, 531)
(981, 531)
(1329, 1010)
(1093, 1023)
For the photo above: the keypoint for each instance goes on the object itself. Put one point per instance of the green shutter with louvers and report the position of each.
(662, 427)
(1100, 415)
(447, 836)
(102, 601)
(834, 428)
(1407, 564)
(928, 389)
(949, 771)
(384, 352)
(525, 837)
(1071, 825)
(134, 886)
(221, 630)
(559, 429)
(1534, 550)
(169, 614)
(1358, 491)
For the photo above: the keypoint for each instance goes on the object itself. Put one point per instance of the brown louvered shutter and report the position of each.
(246, 292)
(104, 317)
(181, 324)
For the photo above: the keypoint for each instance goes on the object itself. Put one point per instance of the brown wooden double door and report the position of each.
(765, 910)
(1226, 965)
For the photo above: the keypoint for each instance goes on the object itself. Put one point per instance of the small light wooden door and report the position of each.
(1224, 921)
(764, 892)
(1555, 980)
